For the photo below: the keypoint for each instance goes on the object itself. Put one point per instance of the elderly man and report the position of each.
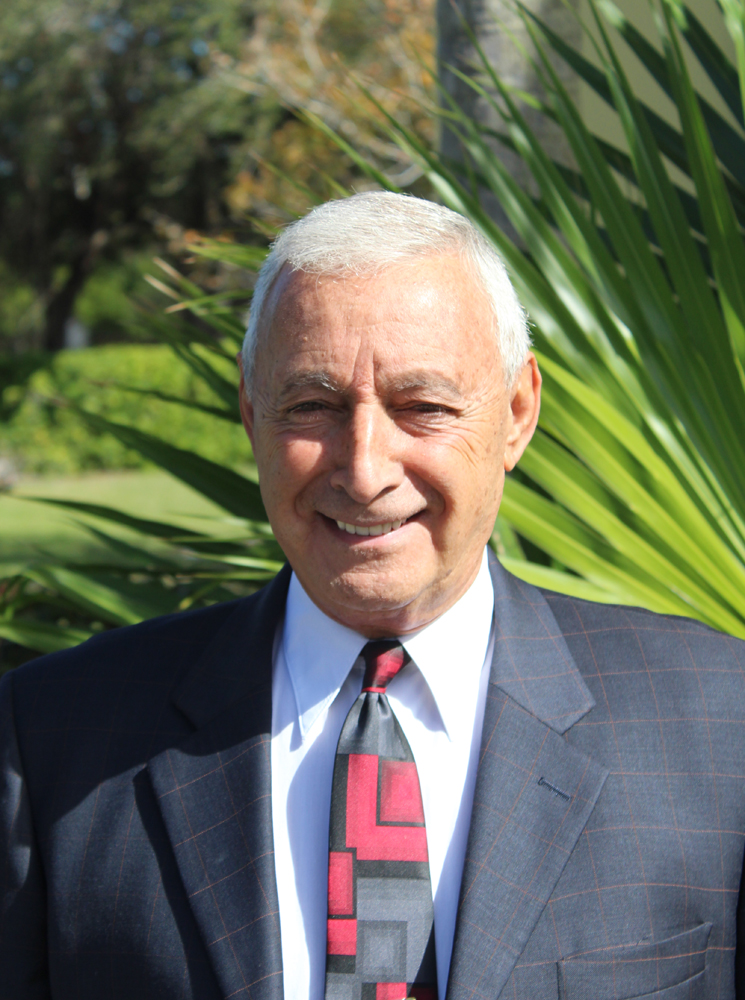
(396, 771)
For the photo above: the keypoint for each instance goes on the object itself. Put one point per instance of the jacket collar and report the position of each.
(532, 662)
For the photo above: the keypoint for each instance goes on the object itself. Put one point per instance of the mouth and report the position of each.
(350, 531)
(371, 529)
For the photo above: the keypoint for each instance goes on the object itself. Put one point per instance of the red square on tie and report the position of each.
(341, 937)
(374, 840)
(400, 797)
(391, 991)
(341, 884)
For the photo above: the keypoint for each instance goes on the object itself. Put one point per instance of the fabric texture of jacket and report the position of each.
(606, 846)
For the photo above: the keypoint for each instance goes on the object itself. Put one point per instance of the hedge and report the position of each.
(46, 439)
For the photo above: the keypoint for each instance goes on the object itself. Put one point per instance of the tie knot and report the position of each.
(383, 660)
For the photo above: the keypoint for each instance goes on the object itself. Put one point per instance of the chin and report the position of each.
(366, 592)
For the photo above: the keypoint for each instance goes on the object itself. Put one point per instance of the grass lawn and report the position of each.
(33, 529)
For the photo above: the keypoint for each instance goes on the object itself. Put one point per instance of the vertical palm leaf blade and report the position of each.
(720, 223)
(663, 336)
(715, 62)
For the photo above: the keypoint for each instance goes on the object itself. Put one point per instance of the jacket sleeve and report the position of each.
(23, 944)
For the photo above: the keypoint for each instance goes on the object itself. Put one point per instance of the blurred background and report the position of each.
(149, 151)
(129, 131)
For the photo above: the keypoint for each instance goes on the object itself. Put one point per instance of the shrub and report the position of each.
(43, 438)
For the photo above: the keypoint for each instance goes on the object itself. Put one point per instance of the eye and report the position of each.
(430, 408)
(312, 406)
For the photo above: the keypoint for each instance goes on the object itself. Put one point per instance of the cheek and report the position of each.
(288, 465)
(468, 475)
(464, 463)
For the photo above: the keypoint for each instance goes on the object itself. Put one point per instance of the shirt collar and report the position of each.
(319, 652)
(460, 636)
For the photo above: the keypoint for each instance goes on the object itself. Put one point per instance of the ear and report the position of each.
(245, 404)
(525, 405)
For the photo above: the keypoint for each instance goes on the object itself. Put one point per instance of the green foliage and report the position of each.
(634, 486)
(106, 306)
(160, 566)
(45, 438)
(15, 372)
(127, 124)
(21, 313)
(635, 482)
(113, 121)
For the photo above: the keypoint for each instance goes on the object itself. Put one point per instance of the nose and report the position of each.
(367, 464)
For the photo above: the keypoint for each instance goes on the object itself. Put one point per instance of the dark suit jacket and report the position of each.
(606, 844)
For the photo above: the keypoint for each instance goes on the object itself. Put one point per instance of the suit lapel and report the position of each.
(534, 794)
(214, 793)
(534, 791)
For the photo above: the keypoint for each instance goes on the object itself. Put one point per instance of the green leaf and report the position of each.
(734, 18)
(670, 140)
(42, 637)
(682, 259)
(84, 591)
(729, 143)
(711, 417)
(551, 528)
(714, 60)
(504, 541)
(238, 254)
(628, 465)
(547, 578)
(157, 529)
(368, 168)
(570, 483)
(221, 386)
(224, 487)
(720, 222)
(232, 415)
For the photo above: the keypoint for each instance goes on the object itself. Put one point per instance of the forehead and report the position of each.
(432, 311)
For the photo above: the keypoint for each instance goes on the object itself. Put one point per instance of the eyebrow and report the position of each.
(310, 380)
(322, 379)
(430, 381)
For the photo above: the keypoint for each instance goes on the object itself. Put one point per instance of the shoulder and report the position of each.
(152, 656)
(103, 708)
(617, 623)
(627, 649)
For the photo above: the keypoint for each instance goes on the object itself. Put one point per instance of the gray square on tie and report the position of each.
(340, 986)
(381, 951)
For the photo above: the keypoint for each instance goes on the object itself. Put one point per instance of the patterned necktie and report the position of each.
(380, 943)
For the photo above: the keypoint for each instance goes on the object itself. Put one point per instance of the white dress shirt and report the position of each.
(438, 700)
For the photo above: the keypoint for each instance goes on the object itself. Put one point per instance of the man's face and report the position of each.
(381, 428)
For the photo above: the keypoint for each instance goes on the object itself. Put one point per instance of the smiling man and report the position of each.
(396, 771)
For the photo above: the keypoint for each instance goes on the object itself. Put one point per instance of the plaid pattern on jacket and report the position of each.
(606, 844)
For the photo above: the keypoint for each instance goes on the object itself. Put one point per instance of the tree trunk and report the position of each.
(61, 304)
(491, 21)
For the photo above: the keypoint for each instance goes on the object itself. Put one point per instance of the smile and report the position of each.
(372, 529)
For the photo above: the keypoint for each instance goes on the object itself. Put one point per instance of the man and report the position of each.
(396, 770)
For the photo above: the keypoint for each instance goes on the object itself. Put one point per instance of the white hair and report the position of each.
(369, 232)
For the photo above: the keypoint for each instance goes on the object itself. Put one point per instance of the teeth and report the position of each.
(375, 529)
